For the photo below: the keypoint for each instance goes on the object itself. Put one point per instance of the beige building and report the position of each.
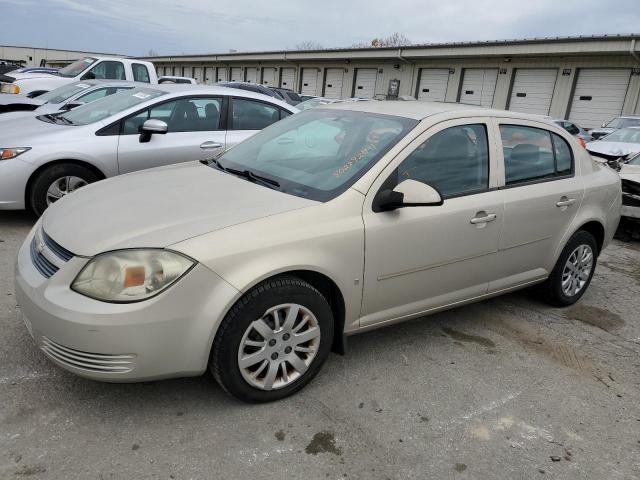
(35, 57)
(586, 79)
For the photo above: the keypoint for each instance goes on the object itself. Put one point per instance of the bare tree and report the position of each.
(394, 40)
(309, 45)
(152, 53)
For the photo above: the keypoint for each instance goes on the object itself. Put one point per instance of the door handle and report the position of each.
(565, 202)
(486, 218)
(210, 145)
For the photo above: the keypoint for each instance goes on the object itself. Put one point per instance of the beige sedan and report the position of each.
(340, 219)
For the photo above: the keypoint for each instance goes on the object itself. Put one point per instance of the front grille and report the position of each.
(47, 255)
(42, 264)
(92, 362)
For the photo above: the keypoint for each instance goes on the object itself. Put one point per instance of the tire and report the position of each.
(552, 289)
(259, 306)
(45, 179)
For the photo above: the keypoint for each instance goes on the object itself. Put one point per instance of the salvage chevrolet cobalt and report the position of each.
(343, 218)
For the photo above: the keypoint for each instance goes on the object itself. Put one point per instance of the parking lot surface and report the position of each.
(507, 388)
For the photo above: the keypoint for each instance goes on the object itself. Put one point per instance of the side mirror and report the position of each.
(150, 127)
(409, 193)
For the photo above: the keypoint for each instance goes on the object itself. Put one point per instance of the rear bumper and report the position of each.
(169, 335)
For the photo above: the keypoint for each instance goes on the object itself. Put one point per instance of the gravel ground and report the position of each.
(507, 388)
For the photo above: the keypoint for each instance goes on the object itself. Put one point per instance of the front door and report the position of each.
(196, 131)
(420, 258)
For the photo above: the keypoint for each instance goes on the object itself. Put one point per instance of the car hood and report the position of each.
(25, 129)
(24, 76)
(159, 207)
(7, 100)
(614, 149)
(601, 131)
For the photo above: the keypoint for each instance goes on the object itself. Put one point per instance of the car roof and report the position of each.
(420, 110)
(189, 88)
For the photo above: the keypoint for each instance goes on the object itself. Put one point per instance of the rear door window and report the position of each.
(533, 154)
(253, 115)
(140, 73)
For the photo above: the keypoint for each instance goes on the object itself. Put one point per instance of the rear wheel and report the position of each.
(573, 271)
(273, 341)
(57, 181)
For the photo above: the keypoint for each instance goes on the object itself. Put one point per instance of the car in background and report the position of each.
(616, 145)
(34, 70)
(63, 98)
(333, 222)
(87, 68)
(45, 157)
(580, 133)
(630, 176)
(307, 97)
(251, 87)
(288, 95)
(174, 79)
(615, 124)
(315, 102)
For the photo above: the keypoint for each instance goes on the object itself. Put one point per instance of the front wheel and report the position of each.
(573, 271)
(55, 182)
(273, 341)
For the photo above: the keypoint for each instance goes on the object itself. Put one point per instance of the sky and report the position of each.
(134, 27)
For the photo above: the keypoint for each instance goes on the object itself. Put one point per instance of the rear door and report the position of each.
(248, 116)
(333, 82)
(196, 130)
(532, 90)
(542, 194)
(432, 84)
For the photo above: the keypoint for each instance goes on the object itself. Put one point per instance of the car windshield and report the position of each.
(625, 135)
(319, 153)
(77, 67)
(110, 105)
(623, 123)
(61, 94)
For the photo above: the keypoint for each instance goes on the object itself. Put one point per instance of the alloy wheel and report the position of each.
(577, 270)
(63, 186)
(279, 347)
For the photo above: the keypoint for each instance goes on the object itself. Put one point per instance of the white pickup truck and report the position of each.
(87, 68)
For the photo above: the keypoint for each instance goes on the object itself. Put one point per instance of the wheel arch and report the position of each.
(595, 228)
(27, 191)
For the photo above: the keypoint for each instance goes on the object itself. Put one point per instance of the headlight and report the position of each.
(130, 275)
(7, 153)
(9, 88)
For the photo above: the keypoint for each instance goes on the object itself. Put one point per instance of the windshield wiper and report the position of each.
(247, 174)
(65, 120)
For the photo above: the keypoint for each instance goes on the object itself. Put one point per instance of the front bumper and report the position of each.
(169, 335)
(14, 175)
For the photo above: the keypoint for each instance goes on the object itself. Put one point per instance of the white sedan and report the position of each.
(331, 222)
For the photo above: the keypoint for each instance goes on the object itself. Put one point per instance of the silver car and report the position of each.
(334, 221)
(618, 144)
(613, 125)
(44, 157)
(63, 98)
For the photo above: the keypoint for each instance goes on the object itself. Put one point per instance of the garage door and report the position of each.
(365, 83)
(478, 86)
(288, 78)
(251, 74)
(433, 83)
(532, 90)
(309, 81)
(197, 74)
(187, 72)
(222, 74)
(269, 76)
(209, 73)
(599, 95)
(333, 82)
(236, 74)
